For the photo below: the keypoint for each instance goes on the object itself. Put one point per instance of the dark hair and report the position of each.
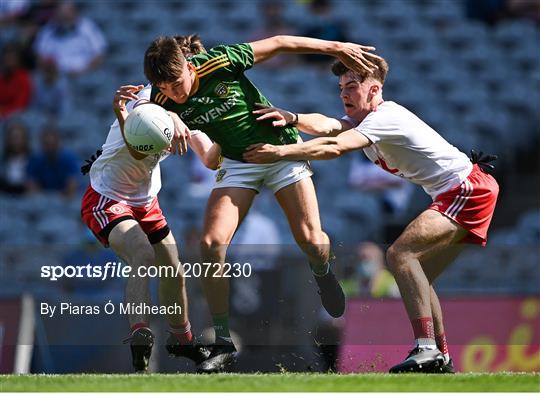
(339, 69)
(190, 45)
(163, 60)
(15, 126)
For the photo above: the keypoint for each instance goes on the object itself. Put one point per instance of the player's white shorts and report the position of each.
(275, 176)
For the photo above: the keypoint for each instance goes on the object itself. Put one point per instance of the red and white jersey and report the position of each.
(404, 145)
(118, 176)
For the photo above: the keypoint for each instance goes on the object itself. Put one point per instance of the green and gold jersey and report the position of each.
(223, 103)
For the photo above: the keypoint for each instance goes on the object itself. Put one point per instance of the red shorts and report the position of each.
(471, 204)
(101, 214)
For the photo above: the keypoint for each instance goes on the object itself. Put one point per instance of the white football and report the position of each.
(149, 129)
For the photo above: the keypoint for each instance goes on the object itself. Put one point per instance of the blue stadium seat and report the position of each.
(512, 34)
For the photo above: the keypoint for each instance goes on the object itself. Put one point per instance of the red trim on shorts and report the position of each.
(470, 204)
(101, 214)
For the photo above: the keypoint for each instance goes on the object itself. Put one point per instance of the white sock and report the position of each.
(425, 343)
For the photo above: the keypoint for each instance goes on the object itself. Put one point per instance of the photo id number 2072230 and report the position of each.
(216, 270)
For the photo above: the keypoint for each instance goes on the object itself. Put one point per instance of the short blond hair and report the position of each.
(379, 74)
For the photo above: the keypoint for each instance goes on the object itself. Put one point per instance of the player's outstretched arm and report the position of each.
(314, 124)
(323, 148)
(355, 57)
(207, 151)
(123, 94)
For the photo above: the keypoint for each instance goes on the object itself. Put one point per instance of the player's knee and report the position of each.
(212, 244)
(398, 256)
(208, 243)
(394, 257)
(143, 256)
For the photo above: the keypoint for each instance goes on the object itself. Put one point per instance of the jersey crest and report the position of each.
(220, 174)
(221, 90)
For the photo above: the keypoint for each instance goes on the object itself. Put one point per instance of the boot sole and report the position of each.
(433, 366)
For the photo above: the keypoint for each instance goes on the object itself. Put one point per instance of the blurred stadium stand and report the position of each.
(477, 85)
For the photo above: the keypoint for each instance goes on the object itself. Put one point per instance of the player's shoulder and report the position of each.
(388, 115)
(212, 56)
(222, 57)
(388, 112)
(208, 62)
(391, 107)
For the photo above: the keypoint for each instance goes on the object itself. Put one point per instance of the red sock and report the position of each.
(182, 332)
(423, 328)
(442, 345)
(136, 326)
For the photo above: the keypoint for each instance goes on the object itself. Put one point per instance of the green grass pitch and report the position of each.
(274, 382)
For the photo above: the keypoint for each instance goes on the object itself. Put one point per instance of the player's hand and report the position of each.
(182, 134)
(280, 117)
(262, 153)
(125, 93)
(357, 58)
(484, 161)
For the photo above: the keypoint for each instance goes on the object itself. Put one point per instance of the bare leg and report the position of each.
(425, 237)
(129, 242)
(224, 213)
(172, 289)
(436, 312)
(299, 202)
(226, 209)
(433, 267)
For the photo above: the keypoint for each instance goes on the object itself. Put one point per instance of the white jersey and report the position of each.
(118, 176)
(404, 145)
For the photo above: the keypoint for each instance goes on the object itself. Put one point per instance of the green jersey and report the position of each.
(223, 103)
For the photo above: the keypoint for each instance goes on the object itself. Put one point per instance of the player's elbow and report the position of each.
(212, 163)
(325, 128)
(320, 131)
(279, 41)
(343, 146)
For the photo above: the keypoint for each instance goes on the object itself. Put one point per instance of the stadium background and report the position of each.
(468, 68)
